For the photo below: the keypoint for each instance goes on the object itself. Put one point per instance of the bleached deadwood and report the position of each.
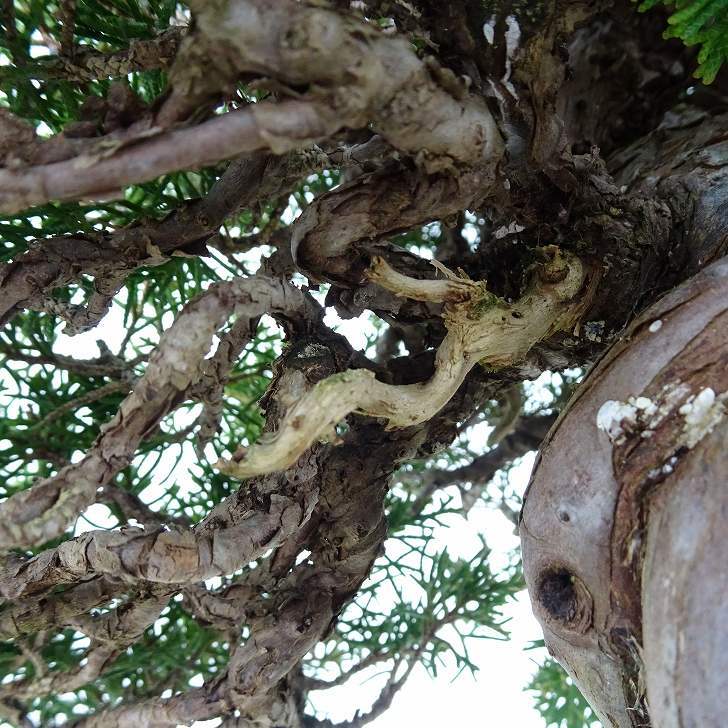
(481, 329)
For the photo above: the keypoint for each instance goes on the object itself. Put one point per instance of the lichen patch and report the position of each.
(702, 413)
(615, 417)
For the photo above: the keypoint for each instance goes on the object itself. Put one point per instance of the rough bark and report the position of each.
(45, 510)
(597, 185)
(610, 559)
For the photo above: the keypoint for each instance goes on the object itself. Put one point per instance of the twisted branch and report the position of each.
(481, 328)
(44, 511)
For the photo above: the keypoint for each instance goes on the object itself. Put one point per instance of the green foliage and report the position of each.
(182, 650)
(699, 22)
(558, 699)
(105, 26)
(420, 603)
(42, 426)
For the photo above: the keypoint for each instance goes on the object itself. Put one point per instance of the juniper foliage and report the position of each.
(702, 23)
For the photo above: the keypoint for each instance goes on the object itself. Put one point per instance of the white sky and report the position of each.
(495, 695)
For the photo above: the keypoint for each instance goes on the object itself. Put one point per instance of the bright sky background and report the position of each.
(495, 696)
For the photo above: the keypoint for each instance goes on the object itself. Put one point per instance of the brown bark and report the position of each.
(596, 188)
(45, 510)
(610, 558)
(141, 55)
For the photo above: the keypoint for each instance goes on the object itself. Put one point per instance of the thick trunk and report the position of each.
(623, 524)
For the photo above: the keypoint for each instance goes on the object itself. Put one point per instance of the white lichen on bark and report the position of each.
(702, 413)
(614, 416)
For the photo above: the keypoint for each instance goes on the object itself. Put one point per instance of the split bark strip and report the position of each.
(46, 510)
(210, 389)
(114, 632)
(160, 555)
(482, 328)
(141, 55)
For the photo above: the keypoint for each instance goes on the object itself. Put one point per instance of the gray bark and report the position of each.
(576, 146)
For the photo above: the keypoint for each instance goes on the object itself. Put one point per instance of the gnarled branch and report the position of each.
(45, 510)
(481, 328)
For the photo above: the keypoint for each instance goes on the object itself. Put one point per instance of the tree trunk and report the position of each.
(623, 525)
(577, 175)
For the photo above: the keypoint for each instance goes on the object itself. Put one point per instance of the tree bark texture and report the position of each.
(597, 176)
(623, 524)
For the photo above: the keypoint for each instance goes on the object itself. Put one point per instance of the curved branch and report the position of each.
(112, 633)
(372, 207)
(26, 616)
(482, 328)
(160, 555)
(57, 261)
(141, 55)
(44, 511)
(299, 608)
(154, 152)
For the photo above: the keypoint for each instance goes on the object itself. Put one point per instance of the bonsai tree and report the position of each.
(497, 191)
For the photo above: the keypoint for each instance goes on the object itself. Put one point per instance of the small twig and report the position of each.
(132, 506)
(93, 396)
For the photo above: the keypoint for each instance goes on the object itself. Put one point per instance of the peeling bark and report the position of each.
(596, 183)
(46, 510)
